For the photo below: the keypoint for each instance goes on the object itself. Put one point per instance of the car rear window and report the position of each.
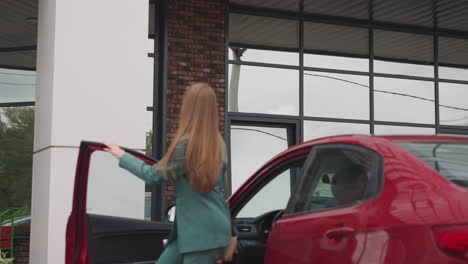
(449, 159)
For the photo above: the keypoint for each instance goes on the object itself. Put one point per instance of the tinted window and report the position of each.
(275, 194)
(448, 159)
(337, 178)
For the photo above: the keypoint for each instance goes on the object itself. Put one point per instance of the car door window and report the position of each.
(275, 194)
(113, 191)
(337, 177)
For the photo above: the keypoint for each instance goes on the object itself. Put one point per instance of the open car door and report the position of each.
(107, 223)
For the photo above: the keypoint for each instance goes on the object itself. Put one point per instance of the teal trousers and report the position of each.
(171, 255)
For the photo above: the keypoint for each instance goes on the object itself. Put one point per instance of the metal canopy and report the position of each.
(278, 27)
(18, 34)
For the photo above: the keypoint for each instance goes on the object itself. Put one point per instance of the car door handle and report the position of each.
(340, 232)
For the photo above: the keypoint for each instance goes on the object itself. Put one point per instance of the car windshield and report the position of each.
(449, 159)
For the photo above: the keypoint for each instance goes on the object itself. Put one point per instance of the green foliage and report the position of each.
(149, 143)
(4, 259)
(16, 153)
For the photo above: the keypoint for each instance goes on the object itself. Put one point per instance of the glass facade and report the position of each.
(331, 75)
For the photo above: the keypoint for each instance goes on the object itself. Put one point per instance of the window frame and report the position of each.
(376, 183)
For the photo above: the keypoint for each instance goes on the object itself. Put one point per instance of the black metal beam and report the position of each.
(159, 104)
(18, 104)
(299, 127)
(436, 65)
(21, 68)
(19, 48)
(227, 120)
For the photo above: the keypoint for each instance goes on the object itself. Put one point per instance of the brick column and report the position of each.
(195, 54)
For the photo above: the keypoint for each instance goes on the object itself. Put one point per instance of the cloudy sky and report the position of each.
(276, 91)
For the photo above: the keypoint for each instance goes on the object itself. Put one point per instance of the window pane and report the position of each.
(336, 178)
(273, 196)
(404, 68)
(333, 39)
(336, 95)
(17, 85)
(453, 104)
(336, 62)
(453, 57)
(16, 156)
(263, 90)
(416, 48)
(263, 31)
(403, 130)
(265, 56)
(251, 147)
(402, 100)
(449, 160)
(453, 73)
(318, 129)
(125, 198)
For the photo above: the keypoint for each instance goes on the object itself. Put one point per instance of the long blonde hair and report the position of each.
(199, 122)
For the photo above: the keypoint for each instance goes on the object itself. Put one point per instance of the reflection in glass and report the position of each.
(274, 196)
(149, 152)
(336, 95)
(251, 147)
(453, 58)
(16, 157)
(17, 85)
(263, 90)
(402, 100)
(124, 199)
(391, 45)
(264, 31)
(403, 68)
(453, 104)
(453, 73)
(402, 130)
(318, 129)
(264, 56)
(336, 39)
(336, 62)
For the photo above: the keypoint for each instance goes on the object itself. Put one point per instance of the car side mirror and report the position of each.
(326, 179)
(170, 213)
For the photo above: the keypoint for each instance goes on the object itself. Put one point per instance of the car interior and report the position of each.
(252, 232)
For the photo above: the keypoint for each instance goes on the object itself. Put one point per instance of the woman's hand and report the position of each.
(114, 150)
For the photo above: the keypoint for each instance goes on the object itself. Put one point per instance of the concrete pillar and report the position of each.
(91, 85)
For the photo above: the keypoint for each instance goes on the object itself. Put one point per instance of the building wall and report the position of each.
(196, 50)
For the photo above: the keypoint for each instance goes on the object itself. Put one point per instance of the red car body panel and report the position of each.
(398, 222)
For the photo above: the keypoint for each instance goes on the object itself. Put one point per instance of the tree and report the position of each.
(16, 153)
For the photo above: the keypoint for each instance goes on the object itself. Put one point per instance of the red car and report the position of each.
(343, 199)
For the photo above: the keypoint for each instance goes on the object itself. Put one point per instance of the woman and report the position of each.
(195, 163)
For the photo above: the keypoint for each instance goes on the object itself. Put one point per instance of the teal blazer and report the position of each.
(203, 220)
